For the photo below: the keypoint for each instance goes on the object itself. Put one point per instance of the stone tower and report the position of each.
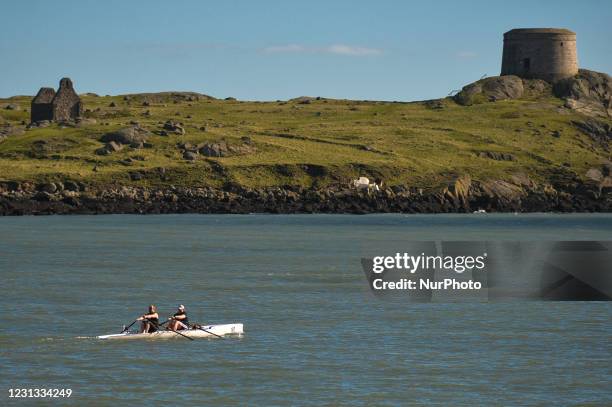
(540, 53)
(65, 105)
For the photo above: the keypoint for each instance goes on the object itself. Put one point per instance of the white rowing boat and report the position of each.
(213, 331)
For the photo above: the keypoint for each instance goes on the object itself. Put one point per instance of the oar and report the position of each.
(176, 332)
(212, 333)
(129, 326)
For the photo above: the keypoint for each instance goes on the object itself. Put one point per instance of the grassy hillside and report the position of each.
(319, 142)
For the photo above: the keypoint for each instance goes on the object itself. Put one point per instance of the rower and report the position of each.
(179, 320)
(150, 321)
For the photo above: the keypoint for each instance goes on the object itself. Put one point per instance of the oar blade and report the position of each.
(129, 326)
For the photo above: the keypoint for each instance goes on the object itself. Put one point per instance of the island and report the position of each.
(536, 138)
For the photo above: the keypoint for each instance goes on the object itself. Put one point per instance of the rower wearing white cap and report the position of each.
(179, 320)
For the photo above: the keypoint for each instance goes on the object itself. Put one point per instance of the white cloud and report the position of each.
(337, 49)
(355, 51)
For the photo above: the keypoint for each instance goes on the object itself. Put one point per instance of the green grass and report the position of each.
(318, 143)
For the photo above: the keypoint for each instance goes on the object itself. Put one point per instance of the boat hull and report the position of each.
(221, 330)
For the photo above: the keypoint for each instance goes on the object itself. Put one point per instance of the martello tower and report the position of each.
(540, 53)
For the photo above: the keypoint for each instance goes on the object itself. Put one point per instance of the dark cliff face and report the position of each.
(520, 194)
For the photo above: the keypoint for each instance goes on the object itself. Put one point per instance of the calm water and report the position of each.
(314, 333)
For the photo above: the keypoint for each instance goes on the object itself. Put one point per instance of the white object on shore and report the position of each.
(364, 183)
(221, 330)
(361, 182)
(480, 211)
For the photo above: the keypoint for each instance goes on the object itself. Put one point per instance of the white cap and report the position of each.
(181, 307)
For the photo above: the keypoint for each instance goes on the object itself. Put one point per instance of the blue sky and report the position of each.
(267, 50)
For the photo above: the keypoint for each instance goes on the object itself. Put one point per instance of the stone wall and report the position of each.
(41, 108)
(66, 103)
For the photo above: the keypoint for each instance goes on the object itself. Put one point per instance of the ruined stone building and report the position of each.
(62, 105)
(540, 53)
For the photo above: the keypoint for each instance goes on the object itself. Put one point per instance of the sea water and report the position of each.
(314, 332)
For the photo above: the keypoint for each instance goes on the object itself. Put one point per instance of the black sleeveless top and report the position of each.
(185, 320)
(153, 325)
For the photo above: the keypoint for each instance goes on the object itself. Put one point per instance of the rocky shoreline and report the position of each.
(460, 196)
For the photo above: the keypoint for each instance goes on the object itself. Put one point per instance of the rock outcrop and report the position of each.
(589, 93)
(495, 155)
(599, 132)
(190, 155)
(225, 149)
(135, 136)
(601, 177)
(490, 90)
(109, 148)
(8, 130)
(172, 127)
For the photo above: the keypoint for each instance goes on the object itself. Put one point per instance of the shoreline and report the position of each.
(460, 197)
